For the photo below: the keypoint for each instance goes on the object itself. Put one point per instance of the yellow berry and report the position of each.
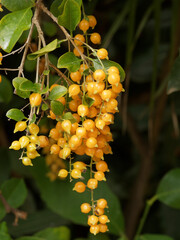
(95, 38)
(79, 187)
(94, 229)
(92, 183)
(63, 173)
(103, 219)
(24, 141)
(82, 110)
(35, 99)
(85, 208)
(27, 161)
(20, 126)
(79, 165)
(84, 25)
(99, 75)
(31, 147)
(101, 203)
(33, 128)
(76, 173)
(102, 53)
(79, 39)
(74, 89)
(66, 125)
(92, 220)
(33, 154)
(92, 21)
(15, 145)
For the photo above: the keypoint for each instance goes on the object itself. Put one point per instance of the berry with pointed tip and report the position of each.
(103, 228)
(113, 69)
(81, 132)
(27, 161)
(92, 220)
(99, 176)
(92, 183)
(63, 173)
(74, 89)
(113, 78)
(24, 141)
(78, 51)
(92, 21)
(20, 126)
(79, 165)
(84, 25)
(31, 147)
(43, 141)
(102, 166)
(33, 128)
(83, 110)
(100, 124)
(101, 203)
(33, 154)
(15, 145)
(103, 219)
(91, 142)
(65, 153)
(54, 149)
(35, 99)
(89, 124)
(66, 125)
(76, 173)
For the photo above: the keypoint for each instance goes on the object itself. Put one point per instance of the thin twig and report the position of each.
(17, 213)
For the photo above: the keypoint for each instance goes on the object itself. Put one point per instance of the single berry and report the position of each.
(95, 38)
(79, 187)
(85, 208)
(63, 173)
(35, 99)
(102, 53)
(20, 126)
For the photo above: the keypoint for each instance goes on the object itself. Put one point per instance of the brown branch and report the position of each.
(17, 213)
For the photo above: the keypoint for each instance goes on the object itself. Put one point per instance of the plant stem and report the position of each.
(148, 206)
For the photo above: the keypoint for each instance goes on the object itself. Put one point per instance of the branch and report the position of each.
(17, 213)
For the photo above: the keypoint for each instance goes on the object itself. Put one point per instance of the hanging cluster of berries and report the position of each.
(82, 111)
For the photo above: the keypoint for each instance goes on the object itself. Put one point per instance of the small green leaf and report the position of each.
(16, 83)
(58, 233)
(44, 107)
(87, 101)
(33, 120)
(12, 26)
(49, 28)
(17, 5)
(57, 108)
(14, 191)
(174, 77)
(55, 7)
(30, 86)
(107, 64)
(15, 114)
(6, 91)
(44, 90)
(71, 15)
(49, 48)
(154, 237)
(69, 61)
(30, 66)
(69, 116)
(57, 92)
(168, 190)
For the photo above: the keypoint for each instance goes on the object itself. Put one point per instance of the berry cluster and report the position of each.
(88, 105)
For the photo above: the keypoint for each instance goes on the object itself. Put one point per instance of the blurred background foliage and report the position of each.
(144, 37)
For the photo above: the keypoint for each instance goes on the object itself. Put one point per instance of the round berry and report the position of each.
(78, 51)
(94, 229)
(89, 124)
(92, 220)
(76, 173)
(65, 153)
(92, 183)
(63, 173)
(84, 25)
(95, 38)
(43, 141)
(27, 161)
(103, 219)
(101, 203)
(79, 187)
(113, 69)
(33, 129)
(81, 132)
(113, 78)
(54, 149)
(91, 142)
(79, 165)
(35, 99)
(85, 208)
(92, 21)
(103, 228)
(66, 125)
(100, 124)
(99, 176)
(79, 39)
(24, 141)
(83, 110)
(33, 154)
(75, 76)
(102, 53)
(102, 166)
(99, 75)
(74, 89)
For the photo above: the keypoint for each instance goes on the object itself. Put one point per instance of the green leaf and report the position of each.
(58, 233)
(174, 77)
(69, 116)
(61, 202)
(44, 90)
(55, 7)
(16, 83)
(154, 237)
(6, 91)
(87, 101)
(57, 92)
(168, 190)
(48, 48)
(107, 64)
(61, 6)
(71, 15)
(17, 5)
(30, 66)
(4, 232)
(44, 107)
(12, 26)
(46, 72)
(14, 191)
(49, 28)
(15, 114)
(69, 61)
(57, 108)
(30, 86)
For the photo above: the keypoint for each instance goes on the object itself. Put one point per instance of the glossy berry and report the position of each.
(75, 76)
(103, 219)
(34, 139)
(117, 88)
(33, 154)
(66, 125)
(95, 38)
(83, 67)
(65, 153)
(76, 173)
(92, 220)
(54, 149)
(33, 129)
(100, 124)
(20, 126)
(113, 69)
(74, 142)
(79, 39)
(94, 229)
(89, 124)
(101, 203)
(85, 208)
(31, 147)
(1, 58)
(35, 99)
(79, 165)
(15, 145)
(83, 110)
(63, 173)
(24, 141)
(92, 21)
(102, 53)
(81, 132)
(92, 183)
(61, 142)
(99, 176)
(91, 142)
(113, 78)
(74, 89)
(106, 95)
(99, 75)
(27, 161)
(101, 166)
(79, 187)
(84, 25)
(99, 211)
(103, 228)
